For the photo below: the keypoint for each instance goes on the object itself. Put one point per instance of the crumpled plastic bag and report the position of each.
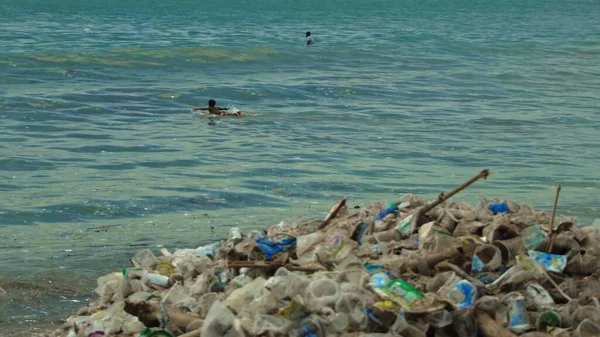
(270, 248)
(221, 322)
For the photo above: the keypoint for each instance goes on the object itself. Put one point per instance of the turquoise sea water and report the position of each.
(100, 154)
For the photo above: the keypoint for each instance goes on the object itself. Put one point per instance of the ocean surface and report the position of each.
(100, 154)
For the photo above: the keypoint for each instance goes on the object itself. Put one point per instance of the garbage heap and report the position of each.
(496, 269)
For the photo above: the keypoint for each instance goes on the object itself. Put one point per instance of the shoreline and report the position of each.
(338, 219)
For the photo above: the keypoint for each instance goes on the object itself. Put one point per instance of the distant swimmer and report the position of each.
(215, 110)
(309, 39)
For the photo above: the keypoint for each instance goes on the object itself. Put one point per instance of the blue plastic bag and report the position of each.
(498, 208)
(271, 248)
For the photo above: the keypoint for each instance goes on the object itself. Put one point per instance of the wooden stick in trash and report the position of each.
(149, 313)
(443, 197)
(489, 327)
(336, 207)
(256, 264)
(552, 232)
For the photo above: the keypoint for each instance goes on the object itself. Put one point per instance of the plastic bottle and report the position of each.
(379, 280)
(155, 279)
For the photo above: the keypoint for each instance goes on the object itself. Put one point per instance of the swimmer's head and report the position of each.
(212, 102)
(307, 34)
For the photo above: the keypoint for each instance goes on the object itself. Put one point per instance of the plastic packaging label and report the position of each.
(404, 225)
(533, 236)
(551, 262)
(401, 288)
(388, 306)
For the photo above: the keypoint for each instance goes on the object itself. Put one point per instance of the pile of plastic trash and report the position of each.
(496, 269)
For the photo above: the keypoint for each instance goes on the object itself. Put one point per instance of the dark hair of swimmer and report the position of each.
(307, 34)
(212, 102)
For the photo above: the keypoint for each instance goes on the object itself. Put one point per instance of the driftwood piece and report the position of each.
(332, 213)
(149, 314)
(274, 265)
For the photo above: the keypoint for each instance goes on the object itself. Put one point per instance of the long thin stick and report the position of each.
(440, 199)
(552, 233)
(443, 197)
(252, 264)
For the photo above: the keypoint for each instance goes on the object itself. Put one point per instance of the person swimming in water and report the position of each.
(309, 39)
(213, 109)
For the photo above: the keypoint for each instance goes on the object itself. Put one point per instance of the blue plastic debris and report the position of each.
(487, 279)
(389, 209)
(552, 262)
(373, 268)
(271, 248)
(374, 318)
(498, 208)
(360, 233)
(306, 332)
(465, 294)
(477, 264)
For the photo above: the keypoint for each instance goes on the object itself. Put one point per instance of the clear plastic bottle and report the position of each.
(155, 279)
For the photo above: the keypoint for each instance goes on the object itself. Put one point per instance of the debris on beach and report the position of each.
(412, 268)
